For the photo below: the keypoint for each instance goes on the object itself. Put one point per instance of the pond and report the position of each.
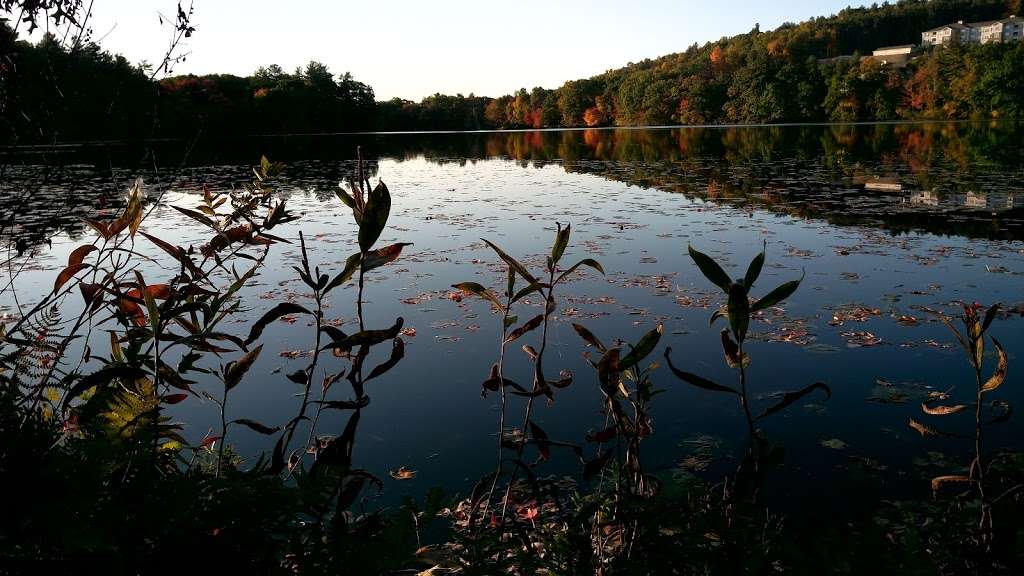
(889, 224)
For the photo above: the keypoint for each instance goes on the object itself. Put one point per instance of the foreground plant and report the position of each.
(972, 339)
(528, 505)
(738, 311)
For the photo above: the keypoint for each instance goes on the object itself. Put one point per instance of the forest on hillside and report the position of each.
(782, 75)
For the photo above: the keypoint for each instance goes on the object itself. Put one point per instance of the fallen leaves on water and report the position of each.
(403, 473)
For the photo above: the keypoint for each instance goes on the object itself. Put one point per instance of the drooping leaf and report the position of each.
(589, 262)
(530, 325)
(282, 309)
(197, 216)
(643, 348)
(365, 338)
(67, 274)
(710, 269)
(256, 426)
(519, 268)
(778, 295)
(351, 265)
(526, 292)
(102, 229)
(397, 353)
(588, 337)
(791, 397)
(236, 370)
(78, 255)
(999, 376)
(695, 380)
(375, 217)
(377, 258)
(479, 290)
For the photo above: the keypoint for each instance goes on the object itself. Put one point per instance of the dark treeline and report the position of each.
(760, 77)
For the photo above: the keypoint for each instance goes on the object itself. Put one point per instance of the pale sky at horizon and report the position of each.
(412, 49)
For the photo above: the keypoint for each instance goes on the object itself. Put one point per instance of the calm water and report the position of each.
(888, 221)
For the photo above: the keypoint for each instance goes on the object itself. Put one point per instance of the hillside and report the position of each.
(784, 75)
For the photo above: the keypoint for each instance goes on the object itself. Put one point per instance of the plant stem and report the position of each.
(985, 523)
(743, 390)
(223, 429)
(549, 299)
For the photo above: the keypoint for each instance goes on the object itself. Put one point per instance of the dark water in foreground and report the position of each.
(888, 221)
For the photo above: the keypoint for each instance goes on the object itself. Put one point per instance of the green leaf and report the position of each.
(479, 290)
(282, 309)
(526, 292)
(351, 265)
(349, 201)
(375, 216)
(753, 271)
(643, 348)
(710, 269)
(197, 216)
(739, 311)
(236, 370)
(519, 268)
(585, 262)
(695, 380)
(561, 242)
(778, 295)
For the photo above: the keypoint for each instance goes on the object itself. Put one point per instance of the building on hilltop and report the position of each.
(894, 56)
(1006, 30)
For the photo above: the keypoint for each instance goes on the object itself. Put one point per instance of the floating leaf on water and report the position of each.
(939, 481)
(403, 473)
(834, 444)
(943, 410)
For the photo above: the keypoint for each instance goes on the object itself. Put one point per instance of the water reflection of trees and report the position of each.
(973, 170)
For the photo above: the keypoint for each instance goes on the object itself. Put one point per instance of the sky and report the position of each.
(414, 48)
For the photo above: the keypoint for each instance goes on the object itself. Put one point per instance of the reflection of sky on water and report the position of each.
(427, 414)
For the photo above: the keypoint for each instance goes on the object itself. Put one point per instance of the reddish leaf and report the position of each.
(175, 398)
(67, 274)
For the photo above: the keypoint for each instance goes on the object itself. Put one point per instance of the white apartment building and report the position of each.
(1007, 30)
